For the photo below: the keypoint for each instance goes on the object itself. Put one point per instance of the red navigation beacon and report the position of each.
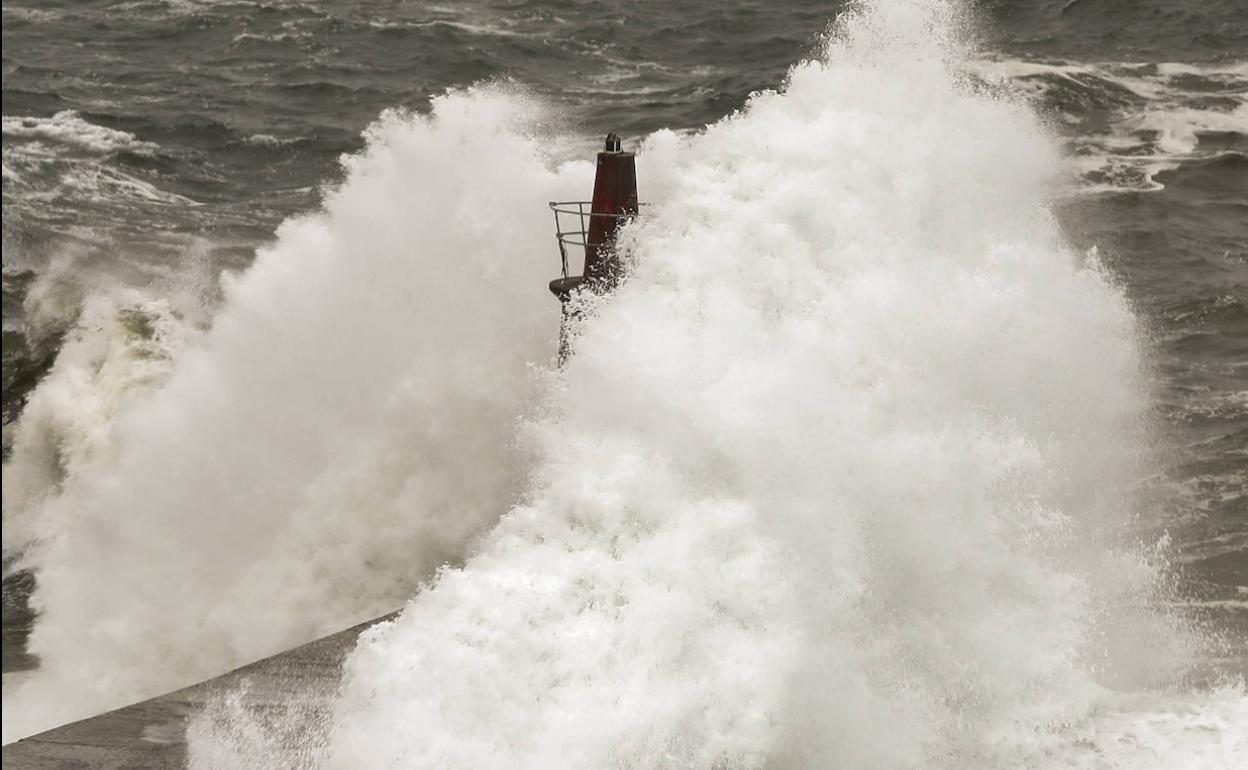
(614, 202)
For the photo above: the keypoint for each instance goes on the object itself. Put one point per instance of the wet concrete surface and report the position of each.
(151, 734)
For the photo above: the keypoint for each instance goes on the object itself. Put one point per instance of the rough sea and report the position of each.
(918, 436)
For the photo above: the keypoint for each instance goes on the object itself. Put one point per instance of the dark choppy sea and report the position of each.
(154, 144)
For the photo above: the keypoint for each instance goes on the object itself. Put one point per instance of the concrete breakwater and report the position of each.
(151, 734)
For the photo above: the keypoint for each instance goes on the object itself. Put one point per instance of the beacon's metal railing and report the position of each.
(575, 214)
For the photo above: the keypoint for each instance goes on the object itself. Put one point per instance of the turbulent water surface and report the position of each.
(918, 436)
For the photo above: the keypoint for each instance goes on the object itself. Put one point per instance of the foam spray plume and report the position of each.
(834, 479)
(343, 428)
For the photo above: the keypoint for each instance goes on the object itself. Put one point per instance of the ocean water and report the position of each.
(918, 436)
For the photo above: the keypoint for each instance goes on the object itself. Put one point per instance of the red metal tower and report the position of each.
(614, 202)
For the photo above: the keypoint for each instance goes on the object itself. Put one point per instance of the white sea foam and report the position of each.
(1196, 732)
(267, 140)
(68, 157)
(1178, 128)
(343, 428)
(69, 128)
(103, 183)
(1156, 113)
(1231, 72)
(484, 30)
(834, 480)
(33, 15)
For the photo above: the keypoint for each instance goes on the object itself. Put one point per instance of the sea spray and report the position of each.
(116, 331)
(830, 481)
(343, 428)
(121, 344)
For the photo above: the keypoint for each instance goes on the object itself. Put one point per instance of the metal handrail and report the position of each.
(582, 212)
